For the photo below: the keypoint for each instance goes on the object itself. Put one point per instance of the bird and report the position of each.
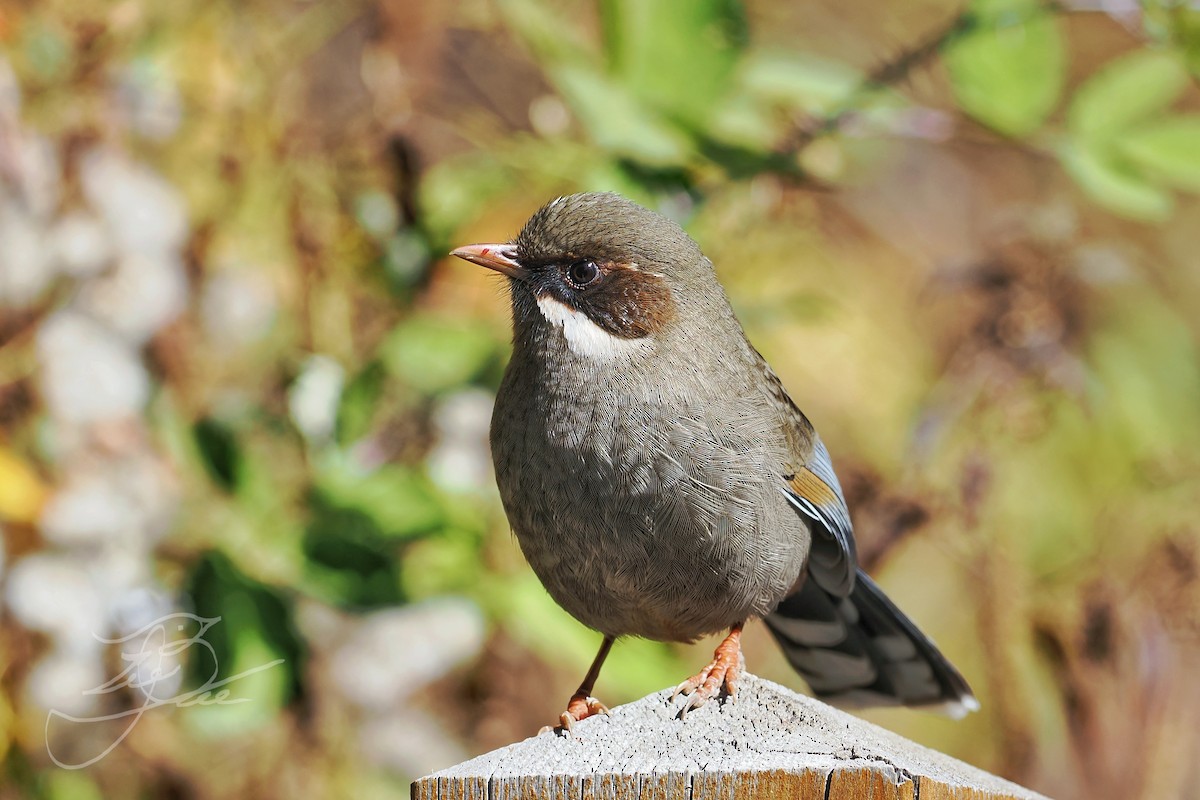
(661, 482)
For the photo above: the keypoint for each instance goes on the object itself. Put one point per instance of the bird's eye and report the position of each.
(583, 273)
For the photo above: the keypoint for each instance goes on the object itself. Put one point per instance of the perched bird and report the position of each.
(660, 481)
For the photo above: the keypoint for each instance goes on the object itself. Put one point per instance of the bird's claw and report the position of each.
(579, 708)
(722, 673)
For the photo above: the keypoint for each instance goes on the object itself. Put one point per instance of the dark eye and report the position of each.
(583, 273)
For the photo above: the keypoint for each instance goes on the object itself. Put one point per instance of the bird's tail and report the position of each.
(861, 650)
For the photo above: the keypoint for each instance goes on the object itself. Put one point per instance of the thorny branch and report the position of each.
(887, 74)
(896, 70)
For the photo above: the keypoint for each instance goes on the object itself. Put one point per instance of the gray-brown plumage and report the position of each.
(659, 479)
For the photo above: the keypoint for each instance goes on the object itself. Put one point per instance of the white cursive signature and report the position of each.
(153, 663)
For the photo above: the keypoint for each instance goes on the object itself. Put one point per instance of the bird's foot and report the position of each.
(579, 708)
(721, 673)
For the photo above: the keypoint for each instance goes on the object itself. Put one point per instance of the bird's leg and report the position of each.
(723, 671)
(582, 705)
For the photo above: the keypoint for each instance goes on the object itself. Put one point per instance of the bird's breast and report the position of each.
(643, 515)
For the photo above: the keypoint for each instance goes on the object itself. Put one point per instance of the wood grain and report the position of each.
(936, 790)
(869, 784)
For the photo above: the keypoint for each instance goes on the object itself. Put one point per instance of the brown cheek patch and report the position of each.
(628, 303)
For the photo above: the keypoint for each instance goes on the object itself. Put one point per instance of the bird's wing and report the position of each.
(837, 628)
(814, 491)
(811, 486)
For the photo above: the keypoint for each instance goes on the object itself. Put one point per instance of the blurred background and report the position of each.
(241, 381)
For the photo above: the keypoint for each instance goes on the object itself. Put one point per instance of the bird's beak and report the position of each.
(500, 257)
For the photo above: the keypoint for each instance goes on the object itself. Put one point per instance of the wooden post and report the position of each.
(769, 743)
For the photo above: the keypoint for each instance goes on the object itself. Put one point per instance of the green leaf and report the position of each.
(254, 627)
(449, 562)
(63, 784)
(1008, 72)
(48, 50)
(356, 408)
(1114, 185)
(356, 521)
(406, 255)
(1147, 375)
(1125, 92)
(1187, 35)
(676, 55)
(535, 620)
(454, 192)
(219, 451)
(745, 121)
(618, 121)
(432, 354)
(550, 30)
(798, 81)
(1169, 149)
(349, 562)
(636, 666)
(1176, 23)
(399, 502)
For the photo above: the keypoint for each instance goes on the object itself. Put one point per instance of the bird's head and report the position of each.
(607, 271)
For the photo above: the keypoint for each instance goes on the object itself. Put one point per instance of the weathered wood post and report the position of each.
(770, 743)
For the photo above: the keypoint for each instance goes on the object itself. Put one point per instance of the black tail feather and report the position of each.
(861, 650)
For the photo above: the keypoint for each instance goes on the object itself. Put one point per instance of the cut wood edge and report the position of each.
(838, 784)
(771, 742)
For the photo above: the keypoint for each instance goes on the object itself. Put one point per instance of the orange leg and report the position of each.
(582, 705)
(722, 672)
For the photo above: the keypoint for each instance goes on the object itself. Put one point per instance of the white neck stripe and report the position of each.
(584, 337)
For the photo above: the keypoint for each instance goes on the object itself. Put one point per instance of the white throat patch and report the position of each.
(584, 337)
